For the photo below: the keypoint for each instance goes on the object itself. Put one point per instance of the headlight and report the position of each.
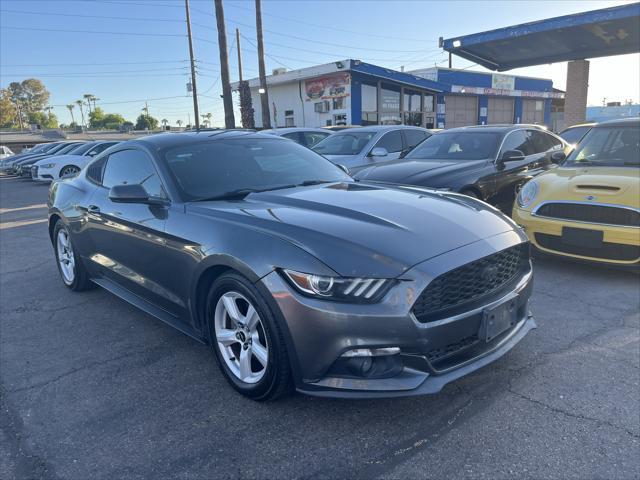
(47, 165)
(528, 193)
(359, 290)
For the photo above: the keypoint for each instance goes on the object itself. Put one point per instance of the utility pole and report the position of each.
(239, 55)
(194, 90)
(264, 94)
(146, 109)
(227, 99)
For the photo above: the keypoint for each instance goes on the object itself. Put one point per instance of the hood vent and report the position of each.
(607, 188)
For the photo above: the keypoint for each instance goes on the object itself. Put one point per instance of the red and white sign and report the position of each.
(330, 86)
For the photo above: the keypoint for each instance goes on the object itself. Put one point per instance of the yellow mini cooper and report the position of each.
(588, 207)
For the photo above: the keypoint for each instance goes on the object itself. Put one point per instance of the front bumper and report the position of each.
(320, 332)
(540, 229)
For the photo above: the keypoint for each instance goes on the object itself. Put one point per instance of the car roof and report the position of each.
(497, 128)
(580, 125)
(176, 139)
(380, 128)
(620, 122)
(285, 130)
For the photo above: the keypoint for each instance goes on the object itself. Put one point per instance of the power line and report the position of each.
(141, 62)
(324, 27)
(141, 34)
(132, 101)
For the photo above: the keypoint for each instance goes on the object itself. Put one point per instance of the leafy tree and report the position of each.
(8, 112)
(96, 118)
(146, 122)
(114, 118)
(45, 120)
(29, 96)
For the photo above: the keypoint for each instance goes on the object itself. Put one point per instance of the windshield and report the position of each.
(467, 145)
(213, 169)
(344, 143)
(608, 147)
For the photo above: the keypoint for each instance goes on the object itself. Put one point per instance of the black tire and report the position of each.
(470, 193)
(276, 381)
(81, 280)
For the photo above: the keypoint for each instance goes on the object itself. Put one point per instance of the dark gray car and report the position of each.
(295, 274)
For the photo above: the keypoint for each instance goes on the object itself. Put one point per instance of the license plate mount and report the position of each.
(500, 318)
(582, 237)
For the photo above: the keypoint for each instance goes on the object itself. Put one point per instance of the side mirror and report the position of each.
(133, 193)
(343, 168)
(512, 156)
(557, 157)
(378, 152)
(92, 153)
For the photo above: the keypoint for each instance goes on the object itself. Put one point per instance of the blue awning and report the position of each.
(598, 33)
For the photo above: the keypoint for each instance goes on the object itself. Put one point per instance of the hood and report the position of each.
(412, 171)
(364, 230)
(613, 185)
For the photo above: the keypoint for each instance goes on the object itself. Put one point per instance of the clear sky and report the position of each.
(126, 51)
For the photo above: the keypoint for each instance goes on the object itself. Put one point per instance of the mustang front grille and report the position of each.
(475, 281)
(583, 212)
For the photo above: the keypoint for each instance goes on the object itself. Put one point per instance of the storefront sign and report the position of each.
(331, 86)
(503, 82)
(503, 92)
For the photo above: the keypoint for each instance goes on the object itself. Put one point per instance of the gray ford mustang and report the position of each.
(295, 274)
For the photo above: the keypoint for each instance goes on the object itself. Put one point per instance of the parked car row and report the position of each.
(301, 276)
(51, 161)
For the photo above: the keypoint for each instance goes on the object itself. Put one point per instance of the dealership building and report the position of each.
(351, 92)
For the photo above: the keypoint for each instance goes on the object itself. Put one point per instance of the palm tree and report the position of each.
(179, 122)
(88, 97)
(206, 119)
(80, 103)
(71, 106)
(164, 122)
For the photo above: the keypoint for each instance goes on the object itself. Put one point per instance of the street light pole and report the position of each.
(194, 90)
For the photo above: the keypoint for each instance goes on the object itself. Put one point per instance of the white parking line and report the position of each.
(20, 223)
(28, 207)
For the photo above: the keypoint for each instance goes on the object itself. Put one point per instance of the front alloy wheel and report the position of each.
(247, 339)
(69, 170)
(241, 338)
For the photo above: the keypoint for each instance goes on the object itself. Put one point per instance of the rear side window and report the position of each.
(540, 141)
(131, 167)
(94, 170)
(517, 140)
(392, 141)
(414, 137)
(295, 136)
(312, 138)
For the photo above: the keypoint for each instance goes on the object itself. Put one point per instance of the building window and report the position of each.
(338, 103)
(390, 105)
(428, 103)
(369, 104)
(340, 119)
(288, 119)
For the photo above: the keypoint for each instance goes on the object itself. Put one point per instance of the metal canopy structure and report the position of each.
(598, 33)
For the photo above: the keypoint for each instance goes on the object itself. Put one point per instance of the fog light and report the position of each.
(371, 352)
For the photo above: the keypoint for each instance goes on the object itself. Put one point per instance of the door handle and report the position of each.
(93, 209)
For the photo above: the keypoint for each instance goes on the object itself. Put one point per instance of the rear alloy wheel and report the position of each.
(69, 264)
(69, 170)
(247, 340)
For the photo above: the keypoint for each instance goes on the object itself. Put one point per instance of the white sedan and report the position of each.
(58, 166)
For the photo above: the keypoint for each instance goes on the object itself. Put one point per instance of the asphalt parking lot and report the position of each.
(93, 388)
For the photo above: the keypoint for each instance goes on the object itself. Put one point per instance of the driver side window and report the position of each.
(392, 141)
(130, 167)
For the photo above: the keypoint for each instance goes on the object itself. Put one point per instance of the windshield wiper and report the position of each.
(239, 193)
